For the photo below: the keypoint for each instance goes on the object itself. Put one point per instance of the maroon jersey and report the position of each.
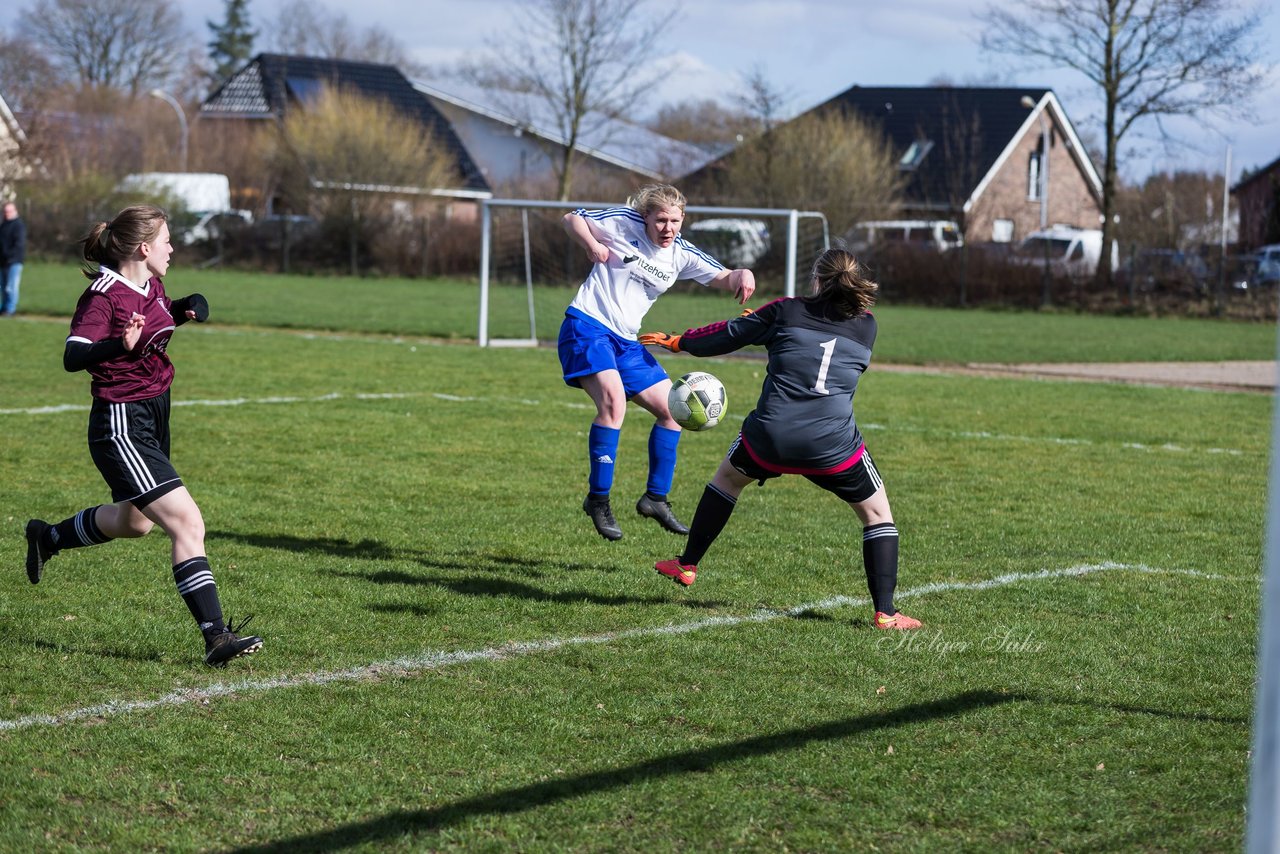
(103, 311)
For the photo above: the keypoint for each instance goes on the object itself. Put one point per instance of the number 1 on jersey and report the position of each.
(828, 348)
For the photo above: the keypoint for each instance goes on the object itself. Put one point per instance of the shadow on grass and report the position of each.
(101, 652)
(505, 588)
(1126, 708)
(394, 825)
(369, 549)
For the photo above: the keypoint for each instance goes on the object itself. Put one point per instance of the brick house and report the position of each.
(974, 155)
(11, 141)
(1258, 199)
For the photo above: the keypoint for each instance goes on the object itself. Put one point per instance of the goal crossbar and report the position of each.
(792, 215)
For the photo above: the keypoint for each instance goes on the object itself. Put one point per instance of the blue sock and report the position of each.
(662, 460)
(602, 444)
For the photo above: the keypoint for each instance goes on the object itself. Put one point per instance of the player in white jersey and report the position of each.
(637, 254)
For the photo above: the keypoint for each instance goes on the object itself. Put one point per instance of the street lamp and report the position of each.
(1043, 179)
(182, 119)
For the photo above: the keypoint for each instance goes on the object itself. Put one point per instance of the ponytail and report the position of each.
(108, 244)
(842, 281)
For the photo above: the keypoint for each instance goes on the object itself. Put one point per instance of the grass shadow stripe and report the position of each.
(438, 659)
(535, 795)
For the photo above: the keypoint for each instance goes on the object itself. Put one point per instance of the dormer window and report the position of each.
(915, 155)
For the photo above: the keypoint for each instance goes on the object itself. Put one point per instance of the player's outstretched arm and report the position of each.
(741, 283)
(194, 307)
(661, 339)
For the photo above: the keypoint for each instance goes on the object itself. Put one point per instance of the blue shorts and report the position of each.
(588, 347)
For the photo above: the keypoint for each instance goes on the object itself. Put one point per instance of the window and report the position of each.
(1002, 231)
(1033, 176)
(916, 152)
(305, 89)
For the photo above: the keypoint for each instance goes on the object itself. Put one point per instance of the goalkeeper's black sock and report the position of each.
(709, 520)
(880, 559)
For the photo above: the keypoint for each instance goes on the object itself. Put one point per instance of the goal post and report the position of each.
(523, 244)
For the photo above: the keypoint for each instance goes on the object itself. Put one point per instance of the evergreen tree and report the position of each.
(232, 43)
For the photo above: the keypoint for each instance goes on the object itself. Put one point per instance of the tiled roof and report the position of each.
(617, 141)
(975, 124)
(271, 84)
(960, 132)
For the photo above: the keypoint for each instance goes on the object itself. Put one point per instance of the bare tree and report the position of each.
(127, 45)
(304, 28)
(347, 157)
(762, 100)
(581, 62)
(1149, 59)
(828, 162)
(27, 75)
(705, 123)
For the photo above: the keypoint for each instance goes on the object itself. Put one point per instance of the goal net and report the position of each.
(524, 249)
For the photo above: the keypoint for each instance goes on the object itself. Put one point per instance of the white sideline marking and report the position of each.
(437, 659)
(456, 398)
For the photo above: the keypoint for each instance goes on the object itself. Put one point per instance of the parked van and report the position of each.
(205, 196)
(1068, 251)
(937, 234)
(732, 242)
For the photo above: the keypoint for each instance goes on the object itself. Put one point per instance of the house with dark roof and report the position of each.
(1258, 199)
(975, 155)
(516, 142)
(271, 85)
(12, 138)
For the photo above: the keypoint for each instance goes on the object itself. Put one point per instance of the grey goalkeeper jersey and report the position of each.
(803, 422)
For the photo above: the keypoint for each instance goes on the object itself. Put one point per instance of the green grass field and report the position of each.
(455, 661)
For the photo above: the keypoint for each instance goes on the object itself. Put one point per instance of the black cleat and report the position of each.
(660, 509)
(226, 645)
(602, 516)
(37, 554)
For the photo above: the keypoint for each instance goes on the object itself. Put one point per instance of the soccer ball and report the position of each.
(697, 401)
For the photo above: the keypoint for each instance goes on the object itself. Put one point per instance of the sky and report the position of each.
(810, 50)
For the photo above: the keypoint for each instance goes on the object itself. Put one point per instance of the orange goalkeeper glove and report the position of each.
(662, 339)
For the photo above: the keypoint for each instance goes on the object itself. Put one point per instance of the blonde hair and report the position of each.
(842, 281)
(110, 243)
(651, 197)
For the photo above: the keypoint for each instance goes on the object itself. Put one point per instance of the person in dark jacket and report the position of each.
(13, 252)
(818, 345)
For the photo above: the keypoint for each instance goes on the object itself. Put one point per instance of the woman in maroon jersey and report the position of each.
(119, 334)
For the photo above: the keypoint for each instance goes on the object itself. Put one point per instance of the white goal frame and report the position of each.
(792, 215)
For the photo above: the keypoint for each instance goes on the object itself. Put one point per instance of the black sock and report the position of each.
(714, 510)
(75, 532)
(880, 559)
(195, 584)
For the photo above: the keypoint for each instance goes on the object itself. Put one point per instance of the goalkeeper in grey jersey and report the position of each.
(803, 423)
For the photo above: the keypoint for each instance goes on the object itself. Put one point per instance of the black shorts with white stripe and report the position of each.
(856, 484)
(129, 443)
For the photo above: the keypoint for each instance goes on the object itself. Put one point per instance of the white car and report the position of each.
(732, 242)
(940, 235)
(1067, 251)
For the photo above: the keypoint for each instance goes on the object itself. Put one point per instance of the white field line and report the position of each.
(432, 660)
(455, 398)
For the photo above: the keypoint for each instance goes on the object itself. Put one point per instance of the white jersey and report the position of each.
(618, 293)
